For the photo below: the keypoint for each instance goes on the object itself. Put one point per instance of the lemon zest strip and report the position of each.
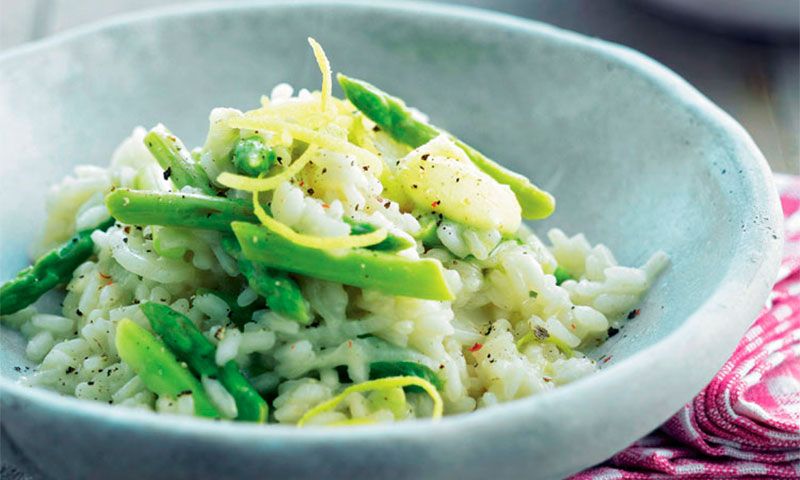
(325, 69)
(379, 384)
(351, 422)
(252, 184)
(524, 340)
(311, 241)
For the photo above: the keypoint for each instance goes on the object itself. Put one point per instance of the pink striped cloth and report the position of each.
(746, 423)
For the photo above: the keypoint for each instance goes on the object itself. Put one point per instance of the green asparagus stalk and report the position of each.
(176, 209)
(428, 230)
(393, 116)
(50, 270)
(176, 160)
(189, 345)
(281, 292)
(158, 368)
(388, 273)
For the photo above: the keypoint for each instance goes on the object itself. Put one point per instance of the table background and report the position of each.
(754, 77)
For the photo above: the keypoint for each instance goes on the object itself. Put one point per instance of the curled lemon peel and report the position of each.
(251, 184)
(379, 384)
(325, 69)
(311, 241)
(258, 121)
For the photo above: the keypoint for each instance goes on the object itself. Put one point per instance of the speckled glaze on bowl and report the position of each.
(636, 157)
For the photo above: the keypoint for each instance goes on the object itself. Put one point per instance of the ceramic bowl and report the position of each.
(636, 157)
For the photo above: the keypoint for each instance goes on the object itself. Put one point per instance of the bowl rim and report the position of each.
(725, 298)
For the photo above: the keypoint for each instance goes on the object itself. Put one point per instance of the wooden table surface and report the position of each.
(755, 80)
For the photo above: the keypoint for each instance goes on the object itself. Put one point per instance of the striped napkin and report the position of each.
(746, 422)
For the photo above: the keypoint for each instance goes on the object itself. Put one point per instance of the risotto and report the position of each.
(317, 261)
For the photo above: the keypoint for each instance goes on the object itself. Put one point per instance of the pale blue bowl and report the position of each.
(637, 158)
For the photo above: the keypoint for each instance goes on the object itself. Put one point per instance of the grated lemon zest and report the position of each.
(380, 384)
(299, 111)
(251, 184)
(256, 121)
(325, 69)
(311, 241)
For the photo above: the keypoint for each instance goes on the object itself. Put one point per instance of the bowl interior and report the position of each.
(631, 163)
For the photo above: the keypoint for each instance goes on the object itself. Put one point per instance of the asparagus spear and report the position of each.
(176, 160)
(281, 292)
(427, 232)
(187, 342)
(388, 273)
(52, 269)
(397, 369)
(213, 213)
(252, 157)
(175, 209)
(158, 368)
(392, 115)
